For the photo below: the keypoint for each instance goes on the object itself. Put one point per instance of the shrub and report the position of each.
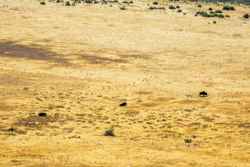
(211, 14)
(67, 3)
(179, 11)
(42, 3)
(172, 7)
(123, 8)
(228, 7)
(246, 16)
(219, 15)
(155, 8)
(188, 141)
(203, 14)
(155, 3)
(218, 11)
(109, 132)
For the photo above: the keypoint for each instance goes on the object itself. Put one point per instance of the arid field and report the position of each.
(70, 74)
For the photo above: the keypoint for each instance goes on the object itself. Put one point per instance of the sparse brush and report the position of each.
(156, 8)
(211, 14)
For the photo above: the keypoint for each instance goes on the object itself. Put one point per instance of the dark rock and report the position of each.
(42, 114)
(123, 104)
(203, 94)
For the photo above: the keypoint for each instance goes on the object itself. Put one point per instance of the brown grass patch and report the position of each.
(13, 50)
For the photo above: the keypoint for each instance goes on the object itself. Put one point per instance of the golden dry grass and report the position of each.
(79, 63)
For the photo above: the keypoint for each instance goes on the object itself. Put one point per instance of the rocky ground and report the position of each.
(69, 75)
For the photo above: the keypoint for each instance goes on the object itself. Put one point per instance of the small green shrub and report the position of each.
(228, 7)
(109, 132)
(204, 14)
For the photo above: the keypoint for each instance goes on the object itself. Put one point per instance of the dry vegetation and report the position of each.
(97, 85)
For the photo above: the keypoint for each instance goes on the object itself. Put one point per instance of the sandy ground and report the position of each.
(77, 64)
